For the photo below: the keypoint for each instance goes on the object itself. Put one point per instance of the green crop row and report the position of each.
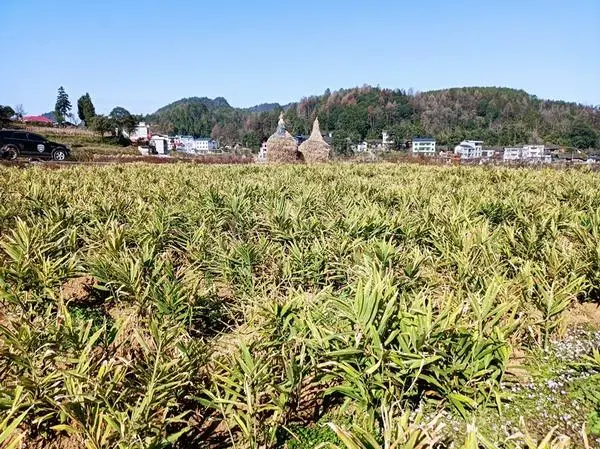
(187, 306)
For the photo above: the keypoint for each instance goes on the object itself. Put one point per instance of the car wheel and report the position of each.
(10, 152)
(59, 154)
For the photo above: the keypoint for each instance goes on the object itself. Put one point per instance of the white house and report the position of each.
(160, 144)
(528, 153)
(141, 132)
(157, 145)
(189, 144)
(205, 146)
(533, 152)
(512, 154)
(469, 149)
(423, 146)
(185, 143)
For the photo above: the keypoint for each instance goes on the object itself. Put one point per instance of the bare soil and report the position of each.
(78, 290)
(587, 313)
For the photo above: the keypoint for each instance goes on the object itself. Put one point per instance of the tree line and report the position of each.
(117, 121)
(498, 116)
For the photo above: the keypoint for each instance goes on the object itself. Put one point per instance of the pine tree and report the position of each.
(85, 108)
(63, 105)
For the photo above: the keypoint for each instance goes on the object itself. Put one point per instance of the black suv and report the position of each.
(15, 143)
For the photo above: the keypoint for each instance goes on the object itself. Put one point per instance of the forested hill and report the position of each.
(217, 103)
(499, 116)
(266, 107)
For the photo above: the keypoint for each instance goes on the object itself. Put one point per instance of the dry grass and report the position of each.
(281, 146)
(282, 149)
(315, 149)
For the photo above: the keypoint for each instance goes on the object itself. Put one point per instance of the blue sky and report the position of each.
(144, 54)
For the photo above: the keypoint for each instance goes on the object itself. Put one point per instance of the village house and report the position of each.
(533, 152)
(160, 144)
(190, 144)
(511, 154)
(205, 145)
(528, 153)
(141, 132)
(469, 149)
(423, 146)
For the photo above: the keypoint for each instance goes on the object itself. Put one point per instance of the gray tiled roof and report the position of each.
(423, 139)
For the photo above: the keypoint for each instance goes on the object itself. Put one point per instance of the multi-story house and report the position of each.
(190, 144)
(423, 146)
(205, 145)
(141, 132)
(512, 154)
(528, 153)
(469, 149)
(533, 152)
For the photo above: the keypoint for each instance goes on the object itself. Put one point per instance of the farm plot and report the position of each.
(292, 306)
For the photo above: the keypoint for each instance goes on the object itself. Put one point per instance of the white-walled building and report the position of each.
(183, 143)
(190, 144)
(205, 145)
(469, 149)
(528, 153)
(423, 146)
(533, 151)
(141, 132)
(160, 144)
(512, 154)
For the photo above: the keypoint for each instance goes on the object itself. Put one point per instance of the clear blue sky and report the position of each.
(144, 54)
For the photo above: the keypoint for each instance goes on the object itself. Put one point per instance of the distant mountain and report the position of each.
(498, 116)
(217, 103)
(264, 107)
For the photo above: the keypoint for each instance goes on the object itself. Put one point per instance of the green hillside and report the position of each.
(499, 116)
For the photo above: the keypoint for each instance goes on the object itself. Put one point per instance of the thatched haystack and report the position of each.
(315, 149)
(281, 146)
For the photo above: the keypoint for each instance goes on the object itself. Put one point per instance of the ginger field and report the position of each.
(349, 306)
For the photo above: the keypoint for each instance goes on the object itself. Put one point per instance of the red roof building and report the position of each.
(37, 119)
